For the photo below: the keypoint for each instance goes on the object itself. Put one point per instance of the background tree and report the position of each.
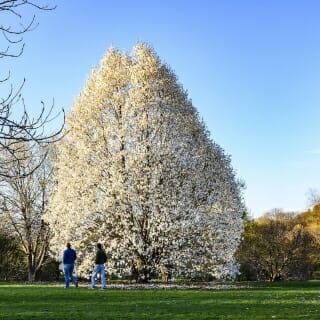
(138, 172)
(24, 201)
(313, 197)
(276, 246)
(310, 219)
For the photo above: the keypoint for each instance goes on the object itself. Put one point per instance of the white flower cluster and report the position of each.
(138, 172)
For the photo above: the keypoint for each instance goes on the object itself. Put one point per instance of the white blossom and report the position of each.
(137, 171)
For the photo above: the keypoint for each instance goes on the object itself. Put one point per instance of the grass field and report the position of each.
(288, 300)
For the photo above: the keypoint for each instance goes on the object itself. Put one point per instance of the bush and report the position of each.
(49, 271)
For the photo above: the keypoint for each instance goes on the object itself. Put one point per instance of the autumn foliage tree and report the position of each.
(138, 172)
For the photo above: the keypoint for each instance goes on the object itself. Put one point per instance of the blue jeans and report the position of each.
(68, 274)
(98, 268)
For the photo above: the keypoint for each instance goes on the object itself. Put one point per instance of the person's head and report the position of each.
(99, 246)
(68, 245)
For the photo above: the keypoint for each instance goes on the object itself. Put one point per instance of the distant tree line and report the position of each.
(281, 246)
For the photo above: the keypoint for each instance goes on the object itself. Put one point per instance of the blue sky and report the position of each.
(252, 69)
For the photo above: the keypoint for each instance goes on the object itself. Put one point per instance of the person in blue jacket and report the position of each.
(69, 257)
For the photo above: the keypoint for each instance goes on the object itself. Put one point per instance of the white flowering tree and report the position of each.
(138, 172)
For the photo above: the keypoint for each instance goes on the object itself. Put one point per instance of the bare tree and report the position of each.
(14, 130)
(24, 200)
(313, 197)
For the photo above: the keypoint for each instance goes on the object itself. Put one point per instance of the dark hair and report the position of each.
(68, 245)
(99, 246)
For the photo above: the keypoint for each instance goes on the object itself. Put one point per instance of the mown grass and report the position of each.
(287, 300)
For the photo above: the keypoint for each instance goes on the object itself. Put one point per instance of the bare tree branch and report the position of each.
(10, 32)
(13, 130)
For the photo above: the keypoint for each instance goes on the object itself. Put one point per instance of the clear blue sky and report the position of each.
(252, 69)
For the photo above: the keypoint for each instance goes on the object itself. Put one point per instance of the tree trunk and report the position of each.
(31, 269)
(31, 275)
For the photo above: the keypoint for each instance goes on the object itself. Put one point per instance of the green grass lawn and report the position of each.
(288, 300)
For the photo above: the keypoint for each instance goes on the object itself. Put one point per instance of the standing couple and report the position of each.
(69, 257)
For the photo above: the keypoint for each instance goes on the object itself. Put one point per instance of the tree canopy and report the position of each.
(137, 171)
